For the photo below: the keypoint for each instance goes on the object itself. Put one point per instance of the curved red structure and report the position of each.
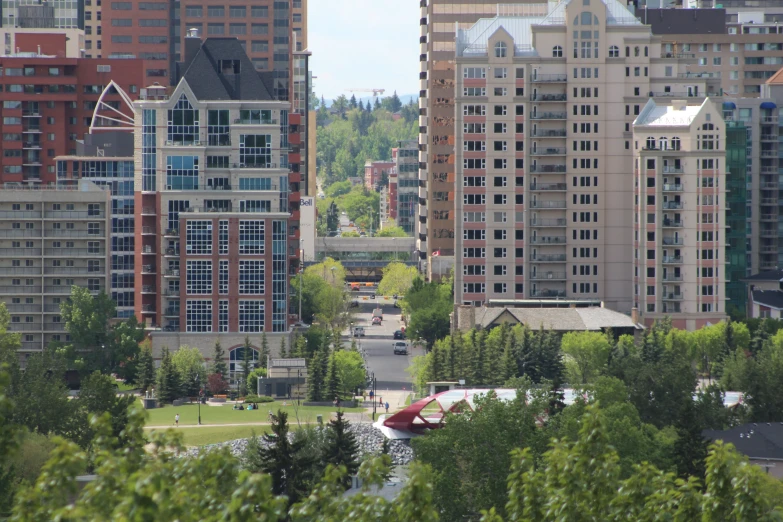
(428, 413)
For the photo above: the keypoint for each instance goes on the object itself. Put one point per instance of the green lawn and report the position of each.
(216, 415)
(215, 434)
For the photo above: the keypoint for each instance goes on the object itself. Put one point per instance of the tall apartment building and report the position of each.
(438, 21)
(51, 239)
(216, 205)
(759, 117)
(48, 104)
(33, 14)
(742, 45)
(737, 252)
(106, 160)
(679, 213)
(406, 166)
(544, 150)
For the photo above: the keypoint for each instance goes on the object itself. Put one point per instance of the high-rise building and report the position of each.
(33, 14)
(48, 104)
(740, 44)
(216, 204)
(544, 193)
(406, 166)
(736, 216)
(679, 223)
(438, 20)
(52, 237)
(106, 159)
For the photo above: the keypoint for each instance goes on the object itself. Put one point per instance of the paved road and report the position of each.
(377, 347)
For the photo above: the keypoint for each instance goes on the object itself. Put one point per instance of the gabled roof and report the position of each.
(208, 82)
(770, 298)
(776, 79)
(592, 318)
(756, 440)
(669, 114)
(616, 14)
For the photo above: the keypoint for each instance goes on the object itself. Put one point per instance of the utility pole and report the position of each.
(301, 276)
(375, 395)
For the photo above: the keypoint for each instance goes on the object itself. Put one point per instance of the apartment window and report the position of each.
(520, 72)
(238, 11)
(259, 28)
(251, 237)
(216, 29)
(259, 46)
(251, 316)
(557, 52)
(500, 288)
(500, 72)
(251, 277)
(199, 277)
(198, 238)
(259, 11)
(223, 315)
(500, 110)
(216, 11)
(194, 11)
(500, 50)
(237, 29)
(716, 60)
(198, 315)
(499, 252)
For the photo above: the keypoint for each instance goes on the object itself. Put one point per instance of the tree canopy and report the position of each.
(397, 279)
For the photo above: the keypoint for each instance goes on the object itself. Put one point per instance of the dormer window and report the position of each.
(228, 66)
(500, 50)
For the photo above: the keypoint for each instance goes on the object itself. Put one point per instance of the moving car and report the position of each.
(377, 312)
(399, 334)
(400, 348)
(377, 320)
(358, 331)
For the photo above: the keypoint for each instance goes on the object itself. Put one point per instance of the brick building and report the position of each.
(217, 206)
(375, 171)
(48, 104)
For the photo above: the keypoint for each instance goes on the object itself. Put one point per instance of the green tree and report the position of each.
(340, 106)
(86, 319)
(124, 349)
(98, 395)
(252, 380)
(278, 459)
(168, 379)
(316, 375)
(397, 279)
(428, 306)
(247, 359)
(586, 355)
(145, 373)
(312, 284)
(333, 387)
(341, 448)
(219, 364)
(191, 373)
(329, 270)
(264, 354)
(349, 366)
(391, 231)
(352, 102)
(350, 233)
(340, 188)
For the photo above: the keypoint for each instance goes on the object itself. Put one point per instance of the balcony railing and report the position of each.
(672, 205)
(673, 296)
(672, 241)
(670, 223)
(171, 232)
(19, 252)
(72, 252)
(548, 293)
(672, 187)
(672, 170)
(21, 214)
(548, 276)
(148, 269)
(549, 151)
(550, 133)
(549, 98)
(548, 223)
(20, 270)
(548, 258)
(548, 240)
(19, 289)
(550, 78)
(544, 169)
(549, 186)
(549, 116)
(672, 260)
(672, 278)
(74, 214)
(549, 204)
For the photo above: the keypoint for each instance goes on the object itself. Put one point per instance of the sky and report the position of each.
(360, 44)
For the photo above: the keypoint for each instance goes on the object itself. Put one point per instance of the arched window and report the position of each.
(708, 126)
(663, 143)
(586, 19)
(636, 51)
(557, 52)
(236, 358)
(675, 143)
(500, 50)
(614, 51)
(651, 142)
(645, 50)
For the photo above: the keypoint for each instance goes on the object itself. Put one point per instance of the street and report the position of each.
(376, 346)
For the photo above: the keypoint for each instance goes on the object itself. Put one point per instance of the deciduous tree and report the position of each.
(397, 279)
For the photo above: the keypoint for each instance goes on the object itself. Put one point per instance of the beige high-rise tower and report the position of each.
(543, 158)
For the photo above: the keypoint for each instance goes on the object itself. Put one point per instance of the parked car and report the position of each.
(354, 304)
(377, 320)
(400, 348)
(355, 289)
(372, 296)
(358, 331)
(399, 334)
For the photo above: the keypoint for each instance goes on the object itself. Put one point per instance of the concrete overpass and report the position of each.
(365, 257)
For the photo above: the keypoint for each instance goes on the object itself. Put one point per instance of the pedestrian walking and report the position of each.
(380, 402)
(176, 420)
(372, 396)
(387, 406)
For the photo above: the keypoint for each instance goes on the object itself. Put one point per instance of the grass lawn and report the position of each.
(121, 386)
(215, 434)
(216, 415)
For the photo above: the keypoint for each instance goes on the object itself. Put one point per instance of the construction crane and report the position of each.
(375, 92)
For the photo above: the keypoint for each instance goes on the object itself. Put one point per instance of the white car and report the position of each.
(358, 331)
(400, 348)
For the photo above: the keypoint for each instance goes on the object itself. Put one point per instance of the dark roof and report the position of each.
(756, 440)
(771, 298)
(208, 82)
(684, 21)
(770, 275)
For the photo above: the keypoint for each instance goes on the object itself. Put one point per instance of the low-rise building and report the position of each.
(765, 295)
(285, 378)
(375, 172)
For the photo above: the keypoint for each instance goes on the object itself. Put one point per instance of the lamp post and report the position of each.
(198, 399)
(298, 387)
(374, 394)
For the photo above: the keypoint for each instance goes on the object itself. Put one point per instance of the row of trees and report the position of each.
(362, 206)
(579, 478)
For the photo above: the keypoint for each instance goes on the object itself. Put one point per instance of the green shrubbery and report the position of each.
(258, 399)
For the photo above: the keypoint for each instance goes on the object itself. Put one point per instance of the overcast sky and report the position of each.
(364, 44)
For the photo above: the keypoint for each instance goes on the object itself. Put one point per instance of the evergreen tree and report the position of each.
(690, 448)
(352, 102)
(278, 458)
(368, 107)
(361, 106)
(264, 351)
(341, 447)
(315, 377)
(377, 103)
(247, 359)
(283, 349)
(219, 361)
(332, 380)
(759, 339)
(168, 379)
(394, 103)
(146, 368)
(386, 450)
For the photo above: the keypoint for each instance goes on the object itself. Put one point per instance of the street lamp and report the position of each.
(374, 388)
(198, 399)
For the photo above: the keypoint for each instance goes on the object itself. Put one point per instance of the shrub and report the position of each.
(258, 399)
